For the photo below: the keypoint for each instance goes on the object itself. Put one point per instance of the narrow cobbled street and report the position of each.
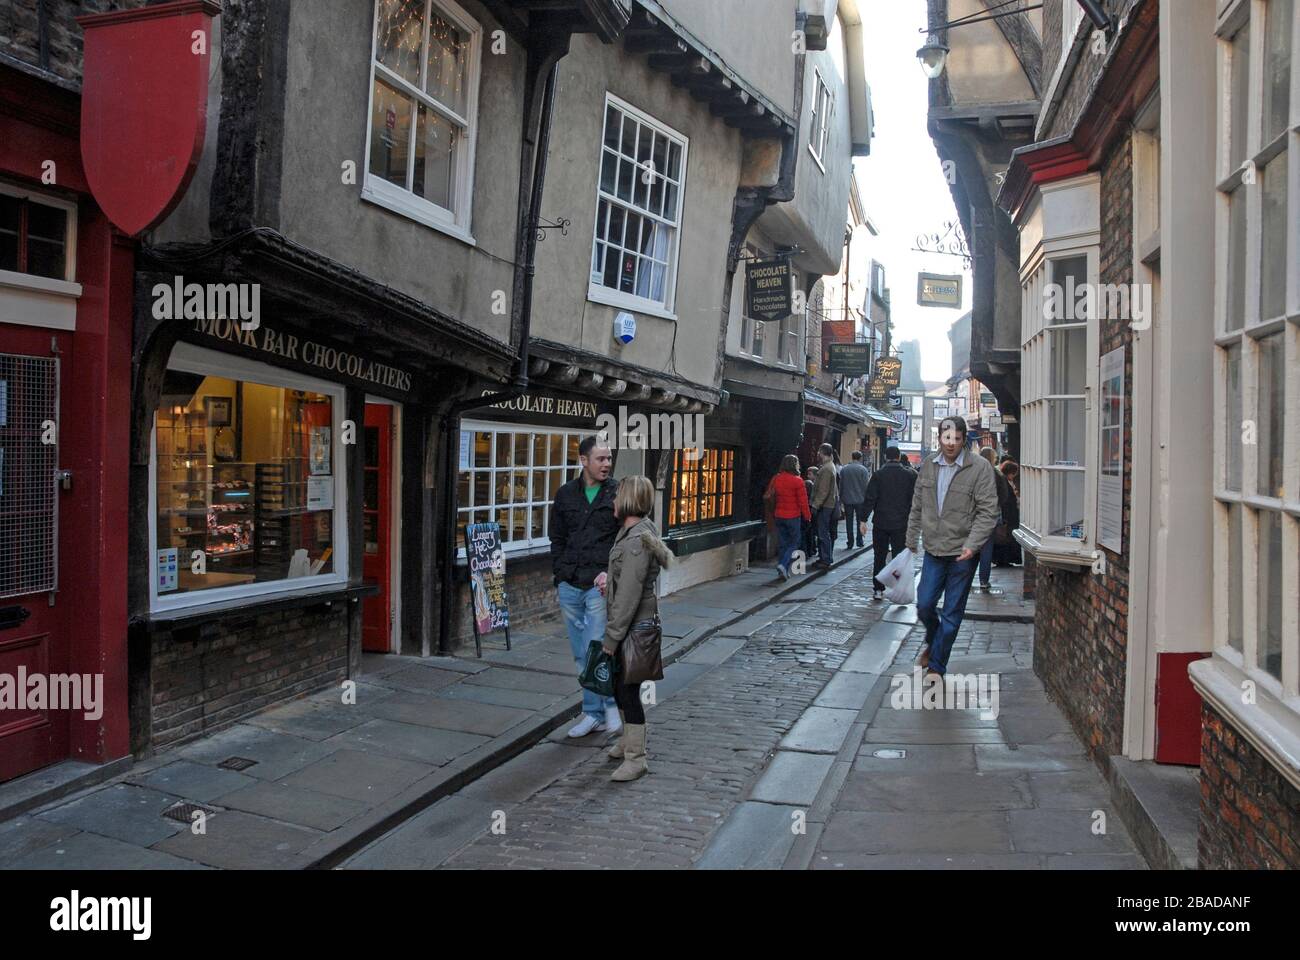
(776, 745)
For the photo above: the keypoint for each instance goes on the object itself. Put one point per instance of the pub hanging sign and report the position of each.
(889, 370)
(767, 286)
(877, 390)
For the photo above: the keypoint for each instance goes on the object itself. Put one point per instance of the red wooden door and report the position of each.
(34, 634)
(377, 510)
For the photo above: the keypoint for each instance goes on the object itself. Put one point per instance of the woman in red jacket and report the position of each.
(791, 506)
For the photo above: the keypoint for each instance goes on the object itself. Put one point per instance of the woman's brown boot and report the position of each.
(616, 751)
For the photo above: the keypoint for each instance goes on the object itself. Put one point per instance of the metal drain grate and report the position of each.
(237, 763)
(184, 812)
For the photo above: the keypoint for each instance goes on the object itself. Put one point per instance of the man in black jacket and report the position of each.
(582, 531)
(889, 499)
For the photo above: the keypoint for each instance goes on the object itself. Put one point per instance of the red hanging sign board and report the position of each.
(144, 98)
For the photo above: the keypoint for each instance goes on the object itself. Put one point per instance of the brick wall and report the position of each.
(1250, 814)
(20, 31)
(1081, 620)
(530, 590)
(209, 677)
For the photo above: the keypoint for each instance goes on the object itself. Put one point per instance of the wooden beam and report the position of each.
(655, 43)
(677, 63)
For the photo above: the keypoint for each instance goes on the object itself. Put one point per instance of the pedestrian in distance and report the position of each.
(888, 505)
(954, 511)
(809, 529)
(986, 554)
(633, 612)
(582, 530)
(790, 507)
(854, 478)
(824, 499)
(1006, 551)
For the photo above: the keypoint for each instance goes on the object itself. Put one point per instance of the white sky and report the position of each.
(902, 183)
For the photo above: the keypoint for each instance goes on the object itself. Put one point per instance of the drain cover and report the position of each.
(890, 754)
(184, 812)
(237, 763)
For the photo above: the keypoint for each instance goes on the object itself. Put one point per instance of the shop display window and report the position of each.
(509, 475)
(245, 485)
(703, 490)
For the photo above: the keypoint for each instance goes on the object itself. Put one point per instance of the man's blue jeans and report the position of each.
(986, 563)
(943, 575)
(825, 533)
(787, 532)
(584, 615)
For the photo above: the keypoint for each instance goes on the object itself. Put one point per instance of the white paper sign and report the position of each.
(320, 493)
(466, 439)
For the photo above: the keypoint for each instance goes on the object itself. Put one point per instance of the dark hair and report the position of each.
(826, 450)
(790, 464)
(958, 424)
(892, 453)
(857, 454)
(584, 448)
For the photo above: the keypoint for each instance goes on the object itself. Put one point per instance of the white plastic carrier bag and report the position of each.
(899, 579)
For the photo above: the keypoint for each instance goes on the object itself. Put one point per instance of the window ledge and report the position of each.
(29, 281)
(1272, 726)
(1059, 552)
(197, 614)
(414, 211)
(624, 301)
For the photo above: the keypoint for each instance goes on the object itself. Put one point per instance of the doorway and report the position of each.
(35, 638)
(381, 512)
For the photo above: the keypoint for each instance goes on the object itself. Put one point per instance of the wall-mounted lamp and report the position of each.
(934, 55)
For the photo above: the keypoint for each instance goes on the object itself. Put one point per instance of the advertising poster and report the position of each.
(487, 576)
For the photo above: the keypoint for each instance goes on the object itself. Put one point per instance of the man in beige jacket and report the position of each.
(825, 495)
(954, 511)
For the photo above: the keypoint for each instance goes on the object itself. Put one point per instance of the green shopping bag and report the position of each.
(598, 674)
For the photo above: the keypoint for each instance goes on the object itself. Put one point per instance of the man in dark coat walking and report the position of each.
(889, 499)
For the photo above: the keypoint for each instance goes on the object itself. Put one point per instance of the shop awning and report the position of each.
(852, 412)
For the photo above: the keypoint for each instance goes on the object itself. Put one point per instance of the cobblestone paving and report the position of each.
(704, 747)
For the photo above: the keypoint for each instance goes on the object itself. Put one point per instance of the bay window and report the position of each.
(247, 491)
(1059, 343)
(1257, 369)
(423, 103)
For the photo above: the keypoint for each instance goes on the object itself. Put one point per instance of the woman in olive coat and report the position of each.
(634, 563)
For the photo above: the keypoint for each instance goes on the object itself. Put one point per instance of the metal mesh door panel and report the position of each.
(29, 412)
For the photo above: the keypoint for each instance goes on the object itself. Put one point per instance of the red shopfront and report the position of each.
(65, 332)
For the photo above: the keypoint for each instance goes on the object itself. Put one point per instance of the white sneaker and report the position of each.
(613, 722)
(584, 726)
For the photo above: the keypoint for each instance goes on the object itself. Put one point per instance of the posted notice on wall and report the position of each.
(1110, 478)
(320, 493)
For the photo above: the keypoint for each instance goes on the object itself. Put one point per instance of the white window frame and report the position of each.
(609, 296)
(212, 363)
(1063, 222)
(1279, 713)
(529, 545)
(819, 119)
(457, 222)
(50, 302)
